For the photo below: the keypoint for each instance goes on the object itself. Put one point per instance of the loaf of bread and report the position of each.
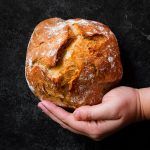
(72, 62)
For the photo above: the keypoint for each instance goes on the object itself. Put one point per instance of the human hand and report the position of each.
(120, 107)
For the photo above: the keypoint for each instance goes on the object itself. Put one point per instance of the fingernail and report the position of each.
(77, 114)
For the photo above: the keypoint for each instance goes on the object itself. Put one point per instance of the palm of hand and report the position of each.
(119, 107)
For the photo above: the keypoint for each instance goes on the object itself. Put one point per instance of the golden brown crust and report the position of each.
(73, 62)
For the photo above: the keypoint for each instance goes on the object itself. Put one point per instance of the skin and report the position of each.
(120, 107)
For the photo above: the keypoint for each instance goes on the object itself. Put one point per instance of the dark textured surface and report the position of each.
(22, 125)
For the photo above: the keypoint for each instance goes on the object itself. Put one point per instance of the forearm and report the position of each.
(144, 96)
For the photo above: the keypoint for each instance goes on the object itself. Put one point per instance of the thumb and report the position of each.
(103, 111)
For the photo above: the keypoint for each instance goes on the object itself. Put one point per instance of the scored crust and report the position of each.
(72, 62)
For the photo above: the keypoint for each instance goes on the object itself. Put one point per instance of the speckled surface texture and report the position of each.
(22, 125)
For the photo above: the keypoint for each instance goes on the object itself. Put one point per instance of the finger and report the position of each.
(66, 117)
(41, 106)
(44, 109)
(109, 126)
(103, 111)
(105, 128)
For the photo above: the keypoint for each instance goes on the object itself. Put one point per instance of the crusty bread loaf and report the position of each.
(72, 62)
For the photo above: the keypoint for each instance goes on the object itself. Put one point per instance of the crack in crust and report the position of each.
(73, 62)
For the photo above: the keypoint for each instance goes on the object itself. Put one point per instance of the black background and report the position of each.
(22, 125)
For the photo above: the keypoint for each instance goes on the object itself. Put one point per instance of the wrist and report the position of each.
(144, 102)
